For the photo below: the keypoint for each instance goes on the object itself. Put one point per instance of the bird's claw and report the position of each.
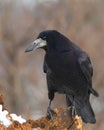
(50, 113)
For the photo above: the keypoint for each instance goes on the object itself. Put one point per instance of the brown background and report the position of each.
(22, 80)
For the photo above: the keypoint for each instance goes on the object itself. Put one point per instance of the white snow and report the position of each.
(5, 118)
(18, 118)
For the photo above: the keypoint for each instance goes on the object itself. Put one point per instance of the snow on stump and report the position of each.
(62, 121)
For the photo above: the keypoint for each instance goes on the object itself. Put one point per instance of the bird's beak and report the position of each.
(36, 44)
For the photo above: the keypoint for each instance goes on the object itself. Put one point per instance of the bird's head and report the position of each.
(49, 40)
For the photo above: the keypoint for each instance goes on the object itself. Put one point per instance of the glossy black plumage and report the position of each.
(68, 71)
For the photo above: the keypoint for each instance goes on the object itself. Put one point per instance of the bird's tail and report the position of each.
(84, 110)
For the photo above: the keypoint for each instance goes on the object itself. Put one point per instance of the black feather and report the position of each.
(69, 71)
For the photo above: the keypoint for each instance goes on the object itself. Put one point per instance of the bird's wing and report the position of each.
(86, 67)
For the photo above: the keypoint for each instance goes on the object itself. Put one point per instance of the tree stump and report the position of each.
(62, 121)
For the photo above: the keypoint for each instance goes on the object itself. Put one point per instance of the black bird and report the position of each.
(68, 71)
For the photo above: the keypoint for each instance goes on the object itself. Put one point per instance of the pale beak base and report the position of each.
(36, 44)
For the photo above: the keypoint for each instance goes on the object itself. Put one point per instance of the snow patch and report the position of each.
(4, 119)
(7, 119)
(18, 118)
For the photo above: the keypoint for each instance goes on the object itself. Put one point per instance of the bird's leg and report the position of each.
(74, 112)
(50, 112)
(71, 104)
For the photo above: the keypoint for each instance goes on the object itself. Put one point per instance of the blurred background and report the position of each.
(22, 80)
